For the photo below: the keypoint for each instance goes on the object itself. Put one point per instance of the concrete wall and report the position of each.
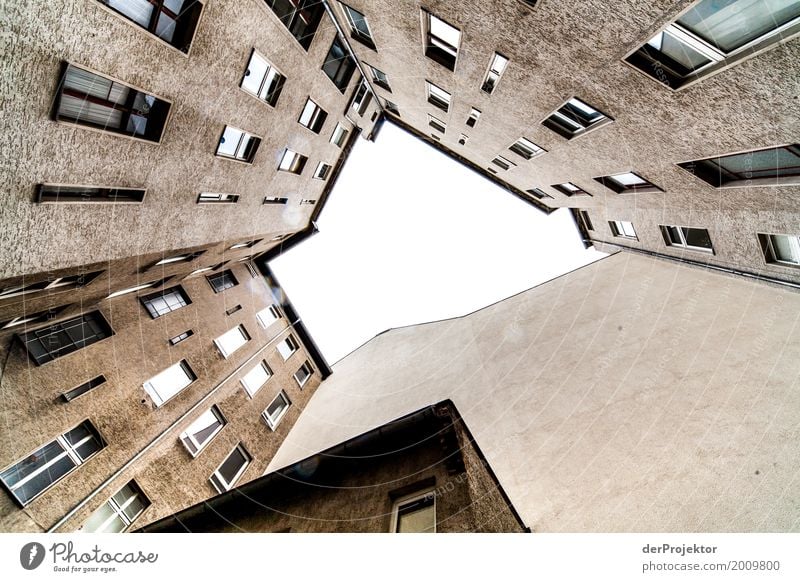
(558, 50)
(633, 394)
(128, 420)
(203, 88)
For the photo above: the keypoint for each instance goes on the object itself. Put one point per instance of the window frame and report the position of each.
(700, 169)
(408, 500)
(493, 75)
(67, 449)
(176, 290)
(670, 243)
(249, 389)
(153, 392)
(344, 69)
(250, 149)
(437, 123)
(103, 194)
(364, 38)
(242, 333)
(432, 91)
(279, 83)
(200, 447)
(92, 319)
(768, 250)
(719, 60)
(522, 149)
(618, 229)
(611, 183)
(322, 172)
(118, 511)
(570, 193)
(441, 51)
(342, 131)
(293, 345)
(271, 422)
(297, 165)
(227, 486)
(309, 369)
(226, 277)
(317, 117)
(379, 78)
(539, 194)
(560, 129)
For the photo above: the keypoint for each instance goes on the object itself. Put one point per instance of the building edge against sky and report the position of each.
(143, 201)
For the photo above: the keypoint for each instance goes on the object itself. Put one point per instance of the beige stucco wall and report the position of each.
(633, 394)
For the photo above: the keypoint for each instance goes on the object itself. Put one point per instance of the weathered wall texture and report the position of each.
(203, 88)
(127, 418)
(558, 50)
(633, 394)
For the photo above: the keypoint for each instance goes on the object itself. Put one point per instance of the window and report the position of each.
(287, 347)
(248, 244)
(339, 135)
(250, 268)
(256, 378)
(182, 258)
(59, 339)
(380, 78)
(88, 99)
(783, 249)
(496, 68)
(233, 310)
(307, 201)
(463, 139)
(361, 98)
(570, 189)
(221, 281)
(690, 238)
(232, 340)
(268, 315)
(768, 167)
(174, 341)
(231, 469)
(712, 35)
(538, 193)
(292, 162)
(474, 114)
(622, 229)
(262, 80)
(438, 96)
(136, 288)
(583, 216)
(197, 436)
(359, 29)
(236, 144)
(303, 374)
(34, 474)
(526, 148)
(275, 200)
(436, 123)
(173, 21)
(71, 395)
(416, 514)
(338, 65)
(628, 182)
(166, 301)
(65, 282)
(503, 163)
(322, 171)
(29, 319)
(169, 382)
(441, 40)
(273, 414)
(118, 513)
(214, 198)
(51, 193)
(313, 116)
(391, 107)
(205, 269)
(575, 118)
(300, 17)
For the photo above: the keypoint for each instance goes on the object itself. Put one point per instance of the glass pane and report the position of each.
(97, 521)
(761, 164)
(730, 24)
(308, 113)
(231, 340)
(628, 179)
(255, 378)
(674, 235)
(697, 237)
(140, 11)
(44, 479)
(229, 141)
(417, 517)
(277, 406)
(444, 31)
(679, 52)
(786, 248)
(134, 508)
(232, 464)
(254, 75)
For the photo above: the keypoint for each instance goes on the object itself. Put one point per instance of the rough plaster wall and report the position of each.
(630, 395)
(205, 95)
(34, 414)
(562, 49)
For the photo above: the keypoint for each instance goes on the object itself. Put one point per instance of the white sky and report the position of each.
(409, 235)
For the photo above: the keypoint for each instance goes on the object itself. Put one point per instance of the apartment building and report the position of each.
(422, 473)
(158, 155)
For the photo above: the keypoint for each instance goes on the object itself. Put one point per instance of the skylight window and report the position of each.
(441, 40)
(575, 118)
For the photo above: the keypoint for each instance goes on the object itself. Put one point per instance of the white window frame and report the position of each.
(119, 510)
(270, 73)
(437, 123)
(474, 114)
(682, 244)
(310, 372)
(188, 435)
(339, 135)
(322, 171)
(772, 256)
(438, 97)
(229, 334)
(272, 422)
(431, 21)
(527, 149)
(311, 114)
(246, 380)
(153, 390)
(243, 140)
(619, 228)
(356, 32)
(291, 345)
(217, 198)
(296, 162)
(273, 311)
(497, 66)
(228, 485)
(503, 163)
(429, 493)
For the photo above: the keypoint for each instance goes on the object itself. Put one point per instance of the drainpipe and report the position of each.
(163, 435)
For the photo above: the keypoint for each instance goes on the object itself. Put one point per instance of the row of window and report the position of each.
(781, 249)
(778, 165)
